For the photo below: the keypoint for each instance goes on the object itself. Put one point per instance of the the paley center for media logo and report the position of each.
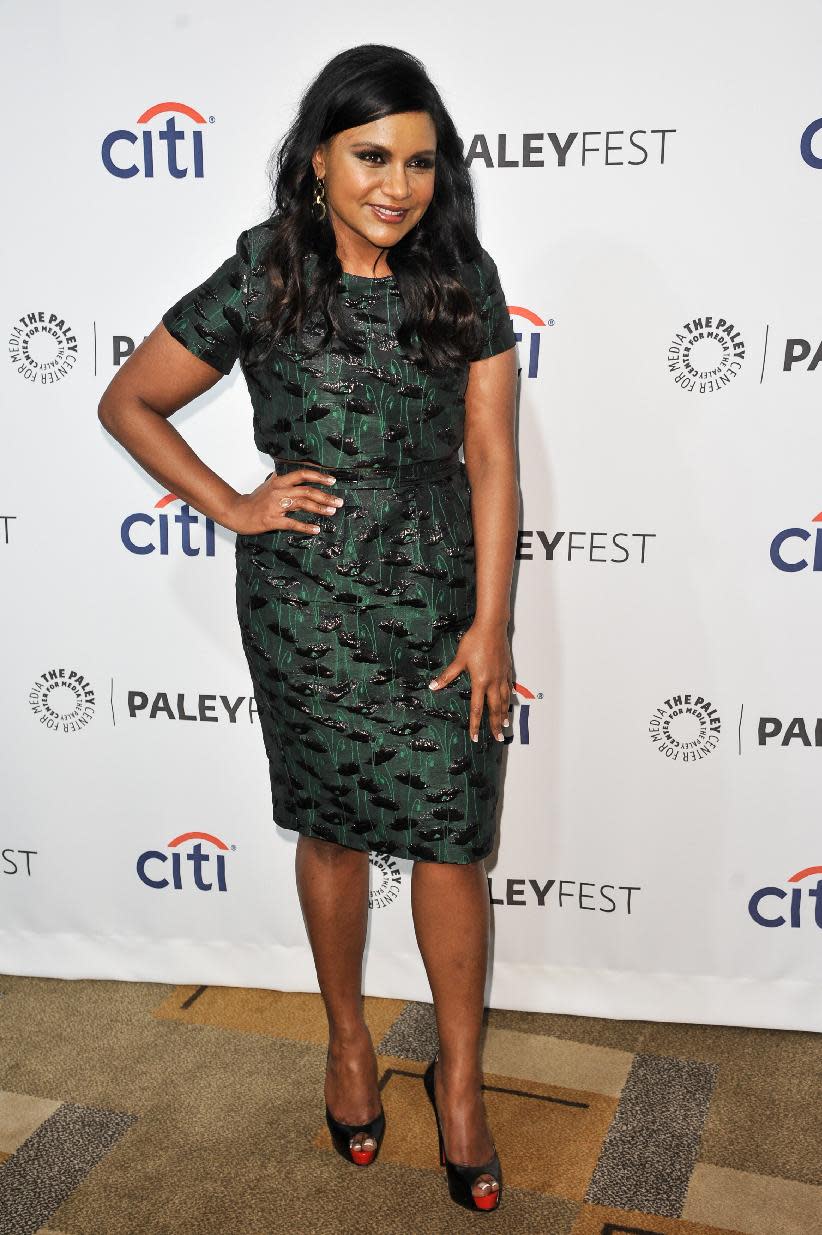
(42, 347)
(685, 728)
(706, 354)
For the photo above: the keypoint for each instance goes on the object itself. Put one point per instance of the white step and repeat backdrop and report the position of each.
(650, 188)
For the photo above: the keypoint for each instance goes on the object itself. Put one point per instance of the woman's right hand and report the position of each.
(268, 507)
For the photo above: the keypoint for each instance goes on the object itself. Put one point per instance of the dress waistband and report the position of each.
(378, 475)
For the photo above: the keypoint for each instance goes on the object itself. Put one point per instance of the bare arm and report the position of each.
(159, 378)
(490, 461)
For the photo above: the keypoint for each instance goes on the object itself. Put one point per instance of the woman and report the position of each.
(373, 566)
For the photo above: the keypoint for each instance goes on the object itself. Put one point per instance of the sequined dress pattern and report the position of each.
(343, 629)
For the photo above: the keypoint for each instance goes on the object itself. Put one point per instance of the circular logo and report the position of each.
(706, 354)
(686, 728)
(62, 700)
(42, 347)
(385, 880)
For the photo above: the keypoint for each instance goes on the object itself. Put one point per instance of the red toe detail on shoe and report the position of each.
(362, 1156)
(488, 1201)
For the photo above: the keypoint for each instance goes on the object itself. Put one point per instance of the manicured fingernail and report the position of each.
(331, 510)
(506, 721)
(434, 684)
(500, 737)
(331, 480)
(474, 737)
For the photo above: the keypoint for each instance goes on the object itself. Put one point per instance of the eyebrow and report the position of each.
(386, 150)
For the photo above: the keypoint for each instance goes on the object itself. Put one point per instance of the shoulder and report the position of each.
(252, 245)
(253, 242)
(478, 273)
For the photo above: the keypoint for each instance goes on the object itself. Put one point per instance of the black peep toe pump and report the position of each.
(342, 1135)
(461, 1175)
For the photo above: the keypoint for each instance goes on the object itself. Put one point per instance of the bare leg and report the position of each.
(451, 911)
(332, 884)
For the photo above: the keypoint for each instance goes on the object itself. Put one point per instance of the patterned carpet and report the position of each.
(143, 1109)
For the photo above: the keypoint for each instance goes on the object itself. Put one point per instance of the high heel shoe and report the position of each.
(461, 1175)
(342, 1135)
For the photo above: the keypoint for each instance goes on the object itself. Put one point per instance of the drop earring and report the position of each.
(318, 205)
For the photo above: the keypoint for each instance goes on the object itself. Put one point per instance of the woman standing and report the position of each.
(373, 566)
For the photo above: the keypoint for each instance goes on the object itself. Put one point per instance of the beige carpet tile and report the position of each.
(223, 1150)
(599, 1220)
(281, 1014)
(548, 1138)
(555, 1061)
(757, 1204)
(764, 1079)
(595, 1030)
(20, 1115)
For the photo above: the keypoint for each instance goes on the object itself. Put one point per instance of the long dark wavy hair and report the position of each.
(441, 326)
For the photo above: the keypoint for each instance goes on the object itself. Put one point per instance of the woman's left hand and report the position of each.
(485, 652)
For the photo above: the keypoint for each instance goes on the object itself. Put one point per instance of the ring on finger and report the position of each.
(286, 501)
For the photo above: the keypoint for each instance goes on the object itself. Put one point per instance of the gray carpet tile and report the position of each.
(413, 1034)
(652, 1144)
(51, 1163)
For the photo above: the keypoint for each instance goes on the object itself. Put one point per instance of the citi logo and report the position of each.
(206, 871)
(798, 909)
(121, 159)
(146, 533)
(799, 555)
(529, 332)
(523, 713)
(806, 145)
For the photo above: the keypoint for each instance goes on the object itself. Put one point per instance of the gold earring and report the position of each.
(319, 201)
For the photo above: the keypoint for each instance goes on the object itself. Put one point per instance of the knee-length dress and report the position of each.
(344, 629)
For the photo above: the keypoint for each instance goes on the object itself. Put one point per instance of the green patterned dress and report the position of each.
(343, 629)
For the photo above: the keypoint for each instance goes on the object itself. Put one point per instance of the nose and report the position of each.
(395, 183)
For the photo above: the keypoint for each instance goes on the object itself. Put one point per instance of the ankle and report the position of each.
(341, 1037)
(459, 1077)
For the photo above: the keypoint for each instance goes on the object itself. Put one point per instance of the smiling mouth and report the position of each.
(388, 213)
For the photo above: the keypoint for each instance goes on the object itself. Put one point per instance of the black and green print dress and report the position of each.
(343, 629)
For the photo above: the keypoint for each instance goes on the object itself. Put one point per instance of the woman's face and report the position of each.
(387, 163)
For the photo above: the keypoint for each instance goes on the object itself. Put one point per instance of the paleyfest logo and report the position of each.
(685, 728)
(62, 700)
(42, 347)
(126, 154)
(705, 354)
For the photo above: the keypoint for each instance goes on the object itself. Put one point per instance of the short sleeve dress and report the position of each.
(344, 629)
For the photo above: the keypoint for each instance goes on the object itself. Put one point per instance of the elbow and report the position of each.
(109, 407)
(105, 412)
